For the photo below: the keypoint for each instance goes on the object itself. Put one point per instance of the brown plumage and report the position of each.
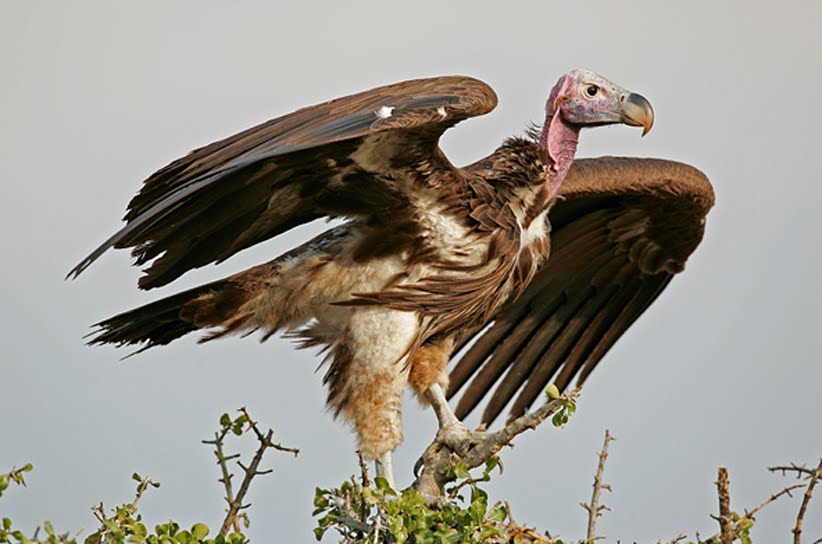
(430, 254)
(620, 230)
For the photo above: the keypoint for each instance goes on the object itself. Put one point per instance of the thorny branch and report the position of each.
(749, 515)
(797, 530)
(800, 470)
(253, 425)
(595, 509)
(726, 525)
(439, 461)
(235, 502)
(226, 477)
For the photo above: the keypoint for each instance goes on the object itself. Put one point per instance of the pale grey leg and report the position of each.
(385, 468)
(452, 431)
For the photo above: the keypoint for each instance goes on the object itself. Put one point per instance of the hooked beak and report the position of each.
(637, 112)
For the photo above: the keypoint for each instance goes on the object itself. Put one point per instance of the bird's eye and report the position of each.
(591, 90)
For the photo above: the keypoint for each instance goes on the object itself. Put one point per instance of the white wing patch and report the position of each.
(384, 112)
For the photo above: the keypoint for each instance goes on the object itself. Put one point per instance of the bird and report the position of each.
(532, 261)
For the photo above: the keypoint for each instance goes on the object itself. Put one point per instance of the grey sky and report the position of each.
(724, 369)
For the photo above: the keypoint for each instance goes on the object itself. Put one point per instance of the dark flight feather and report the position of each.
(286, 172)
(621, 229)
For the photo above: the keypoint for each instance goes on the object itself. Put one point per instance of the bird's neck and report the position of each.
(559, 141)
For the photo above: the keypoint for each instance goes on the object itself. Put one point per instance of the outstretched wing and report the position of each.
(620, 231)
(339, 158)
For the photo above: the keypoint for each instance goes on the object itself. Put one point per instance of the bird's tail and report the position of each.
(225, 306)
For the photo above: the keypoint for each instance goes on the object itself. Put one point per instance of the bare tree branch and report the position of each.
(726, 525)
(226, 475)
(749, 515)
(797, 530)
(595, 509)
(236, 505)
(439, 461)
(800, 470)
(253, 425)
(235, 502)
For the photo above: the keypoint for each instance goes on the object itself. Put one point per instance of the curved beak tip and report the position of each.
(637, 111)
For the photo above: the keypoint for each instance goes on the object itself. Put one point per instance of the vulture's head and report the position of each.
(580, 99)
(586, 99)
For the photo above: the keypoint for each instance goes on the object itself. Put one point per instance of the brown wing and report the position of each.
(621, 230)
(333, 159)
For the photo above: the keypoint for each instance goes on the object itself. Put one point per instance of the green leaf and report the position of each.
(461, 471)
(225, 420)
(552, 391)
(498, 514)
(382, 485)
(136, 477)
(139, 529)
(237, 426)
(199, 531)
(560, 418)
(490, 465)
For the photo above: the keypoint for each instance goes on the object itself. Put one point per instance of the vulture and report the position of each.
(543, 266)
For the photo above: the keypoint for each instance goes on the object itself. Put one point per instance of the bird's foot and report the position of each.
(457, 437)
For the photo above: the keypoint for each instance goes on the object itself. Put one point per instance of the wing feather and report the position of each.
(234, 193)
(621, 229)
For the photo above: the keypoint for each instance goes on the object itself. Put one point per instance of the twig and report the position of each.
(222, 460)
(17, 474)
(801, 470)
(465, 483)
(529, 420)
(235, 502)
(595, 509)
(797, 530)
(786, 491)
(141, 488)
(253, 425)
(99, 512)
(251, 471)
(438, 460)
(366, 481)
(726, 524)
(749, 515)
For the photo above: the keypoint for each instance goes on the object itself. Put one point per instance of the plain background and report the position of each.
(724, 369)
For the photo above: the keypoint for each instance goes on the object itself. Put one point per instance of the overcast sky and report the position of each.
(724, 369)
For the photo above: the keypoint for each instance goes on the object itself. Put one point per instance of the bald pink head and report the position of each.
(580, 99)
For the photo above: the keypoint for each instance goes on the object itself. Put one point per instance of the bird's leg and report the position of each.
(385, 468)
(453, 432)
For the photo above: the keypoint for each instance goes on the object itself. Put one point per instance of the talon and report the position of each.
(457, 437)
(418, 467)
